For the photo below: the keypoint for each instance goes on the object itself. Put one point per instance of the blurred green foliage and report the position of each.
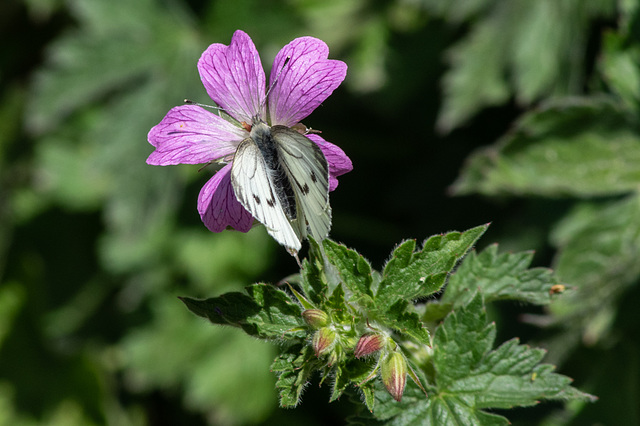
(95, 245)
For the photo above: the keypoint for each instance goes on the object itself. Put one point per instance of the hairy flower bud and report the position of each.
(316, 318)
(323, 341)
(368, 344)
(394, 374)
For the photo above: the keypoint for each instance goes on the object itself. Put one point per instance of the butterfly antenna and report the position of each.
(190, 102)
(275, 80)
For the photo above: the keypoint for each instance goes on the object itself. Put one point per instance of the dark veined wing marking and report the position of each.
(282, 179)
(308, 173)
(256, 189)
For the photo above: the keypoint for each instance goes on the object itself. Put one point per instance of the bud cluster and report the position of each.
(334, 341)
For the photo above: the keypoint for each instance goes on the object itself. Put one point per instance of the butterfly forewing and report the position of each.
(258, 190)
(308, 173)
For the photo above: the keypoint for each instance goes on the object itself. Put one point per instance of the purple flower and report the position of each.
(234, 79)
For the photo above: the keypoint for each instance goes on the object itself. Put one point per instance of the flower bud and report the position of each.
(394, 374)
(368, 344)
(323, 341)
(316, 318)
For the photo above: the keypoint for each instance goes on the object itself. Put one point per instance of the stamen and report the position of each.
(275, 80)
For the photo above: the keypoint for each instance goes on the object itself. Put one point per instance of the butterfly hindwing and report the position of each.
(282, 178)
(257, 189)
(308, 173)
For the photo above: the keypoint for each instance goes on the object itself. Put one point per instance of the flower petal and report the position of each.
(189, 134)
(305, 82)
(339, 163)
(234, 78)
(218, 206)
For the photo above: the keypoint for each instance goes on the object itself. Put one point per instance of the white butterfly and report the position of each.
(282, 179)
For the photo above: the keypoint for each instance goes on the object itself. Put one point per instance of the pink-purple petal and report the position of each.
(218, 206)
(304, 82)
(234, 78)
(189, 134)
(338, 161)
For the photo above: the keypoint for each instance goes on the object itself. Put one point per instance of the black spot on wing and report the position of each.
(313, 177)
(263, 138)
(305, 189)
(256, 198)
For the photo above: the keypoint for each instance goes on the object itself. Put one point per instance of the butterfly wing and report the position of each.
(308, 174)
(252, 178)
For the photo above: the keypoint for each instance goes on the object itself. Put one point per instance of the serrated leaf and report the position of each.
(619, 65)
(176, 349)
(312, 280)
(368, 390)
(108, 69)
(598, 250)
(112, 49)
(499, 277)
(337, 305)
(476, 68)
(471, 377)
(415, 409)
(506, 377)
(293, 366)
(352, 373)
(461, 342)
(266, 312)
(503, 56)
(434, 311)
(353, 269)
(570, 147)
(400, 316)
(447, 411)
(413, 274)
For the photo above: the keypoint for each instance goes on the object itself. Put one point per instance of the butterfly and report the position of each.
(282, 178)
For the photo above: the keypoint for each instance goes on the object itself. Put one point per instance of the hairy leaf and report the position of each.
(500, 276)
(266, 312)
(573, 147)
(413, 274)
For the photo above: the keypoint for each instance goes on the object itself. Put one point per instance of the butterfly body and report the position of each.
(282, 178)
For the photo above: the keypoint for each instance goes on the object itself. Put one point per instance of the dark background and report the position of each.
(95, 245)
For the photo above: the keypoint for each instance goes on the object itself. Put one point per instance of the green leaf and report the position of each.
(313, 281)
(353, 372)
(499, 277)
(400, 317)
(266, 312)
(503, 57)
(177, 350)
(471, 377)
(353, 269)
(294, 367)
(461, 342)
(475, 76)
(599, 248)
(456, 10)
(95, 79)
(506, 377)
(620, 68)
(413, 274)
(571, 147)
(338, 306)
(113, 49)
